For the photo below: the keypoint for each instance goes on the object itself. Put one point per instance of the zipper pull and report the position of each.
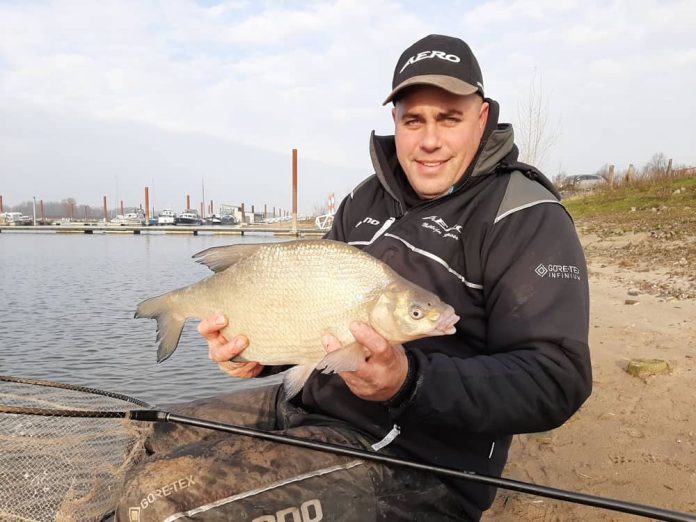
(388, 438)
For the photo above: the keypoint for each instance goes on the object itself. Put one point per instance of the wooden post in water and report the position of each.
(211, 207)
(147, 206)
(122, 213)
(243, 216)
(265, 212)
(188, 201)
(106, 213)
(43, 216)
(294, 191)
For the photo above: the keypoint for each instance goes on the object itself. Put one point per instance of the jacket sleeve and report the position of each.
(535, 370)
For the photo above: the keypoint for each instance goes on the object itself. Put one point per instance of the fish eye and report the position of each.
(416, 312)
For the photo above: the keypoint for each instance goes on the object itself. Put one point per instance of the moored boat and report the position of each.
(15, 219)
(188, 217)
(131, 218)
(213, 219)
(166, 217)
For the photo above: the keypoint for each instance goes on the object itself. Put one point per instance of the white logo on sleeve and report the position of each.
(369, 221)
(551, 271)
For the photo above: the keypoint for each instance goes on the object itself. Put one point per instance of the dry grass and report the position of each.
(647, 223)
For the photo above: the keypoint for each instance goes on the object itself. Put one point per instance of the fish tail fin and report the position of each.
(295, 378)
(169, 324)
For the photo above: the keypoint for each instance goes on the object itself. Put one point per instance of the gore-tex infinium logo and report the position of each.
(558, 271)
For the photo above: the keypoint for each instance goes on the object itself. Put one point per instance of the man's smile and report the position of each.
(431, 163)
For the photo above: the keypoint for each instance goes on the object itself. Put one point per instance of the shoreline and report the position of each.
(635, 438)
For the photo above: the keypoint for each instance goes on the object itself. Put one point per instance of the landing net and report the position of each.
(65, 469)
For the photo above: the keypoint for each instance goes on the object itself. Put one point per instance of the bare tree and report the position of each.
(319, 209)
(536, 134)
(656, 167)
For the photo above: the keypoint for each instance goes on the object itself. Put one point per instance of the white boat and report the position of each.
(188, 217)
(213, 219)
(15, 219)
(166, 217)
(131, 218)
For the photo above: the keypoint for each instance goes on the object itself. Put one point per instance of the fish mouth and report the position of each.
(446, 322)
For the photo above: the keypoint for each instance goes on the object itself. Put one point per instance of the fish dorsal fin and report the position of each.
(221, 258)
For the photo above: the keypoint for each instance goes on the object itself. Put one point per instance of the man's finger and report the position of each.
(227, 351)
(210, 327)
(330, 343)
(247, 370)
(370, 339)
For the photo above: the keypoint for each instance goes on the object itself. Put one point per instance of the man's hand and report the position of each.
(221, 350)
(384, 371)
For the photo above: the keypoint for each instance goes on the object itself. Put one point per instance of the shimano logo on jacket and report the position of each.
(430, 54)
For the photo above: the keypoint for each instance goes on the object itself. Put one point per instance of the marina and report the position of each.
(302, 230)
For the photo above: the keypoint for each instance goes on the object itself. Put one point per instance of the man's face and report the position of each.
(437, 136)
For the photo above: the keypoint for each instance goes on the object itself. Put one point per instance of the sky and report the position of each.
(104, 98)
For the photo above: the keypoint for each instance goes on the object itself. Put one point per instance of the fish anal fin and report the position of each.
(295, 378)
(346, 359)
(221, 258)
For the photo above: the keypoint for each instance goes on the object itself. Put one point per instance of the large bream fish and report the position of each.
(285, 296)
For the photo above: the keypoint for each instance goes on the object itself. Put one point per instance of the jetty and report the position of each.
(195, 230)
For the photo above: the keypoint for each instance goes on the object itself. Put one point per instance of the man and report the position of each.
(451, 209)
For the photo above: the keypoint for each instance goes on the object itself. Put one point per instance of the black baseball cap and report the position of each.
(442, 61)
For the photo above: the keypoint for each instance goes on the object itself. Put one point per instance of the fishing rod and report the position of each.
(150, 414)
(326, 447)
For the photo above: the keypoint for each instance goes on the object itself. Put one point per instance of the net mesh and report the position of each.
(64, 469)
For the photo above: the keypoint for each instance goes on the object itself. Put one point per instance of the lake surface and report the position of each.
(67, 304)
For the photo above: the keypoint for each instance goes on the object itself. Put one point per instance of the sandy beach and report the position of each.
(635, 438)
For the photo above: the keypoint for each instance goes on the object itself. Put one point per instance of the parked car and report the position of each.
(584, 182)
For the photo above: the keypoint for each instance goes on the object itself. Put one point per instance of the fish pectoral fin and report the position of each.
(221, 258)
(295, 378)
(346, 359)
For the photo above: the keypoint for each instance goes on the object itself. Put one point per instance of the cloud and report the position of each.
(272, 76)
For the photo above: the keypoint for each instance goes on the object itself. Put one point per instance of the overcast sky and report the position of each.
(104, 98)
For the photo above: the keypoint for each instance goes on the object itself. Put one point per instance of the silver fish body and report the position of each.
(285, 296)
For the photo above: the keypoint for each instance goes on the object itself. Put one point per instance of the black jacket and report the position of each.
(503, 251)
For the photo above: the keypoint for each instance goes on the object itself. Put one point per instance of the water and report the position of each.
(67, 304)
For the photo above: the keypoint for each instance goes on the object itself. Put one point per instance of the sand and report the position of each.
(635, 438)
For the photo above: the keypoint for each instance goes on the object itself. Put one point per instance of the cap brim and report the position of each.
(448, 83)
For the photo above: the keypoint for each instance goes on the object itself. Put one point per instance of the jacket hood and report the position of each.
(497, 146)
